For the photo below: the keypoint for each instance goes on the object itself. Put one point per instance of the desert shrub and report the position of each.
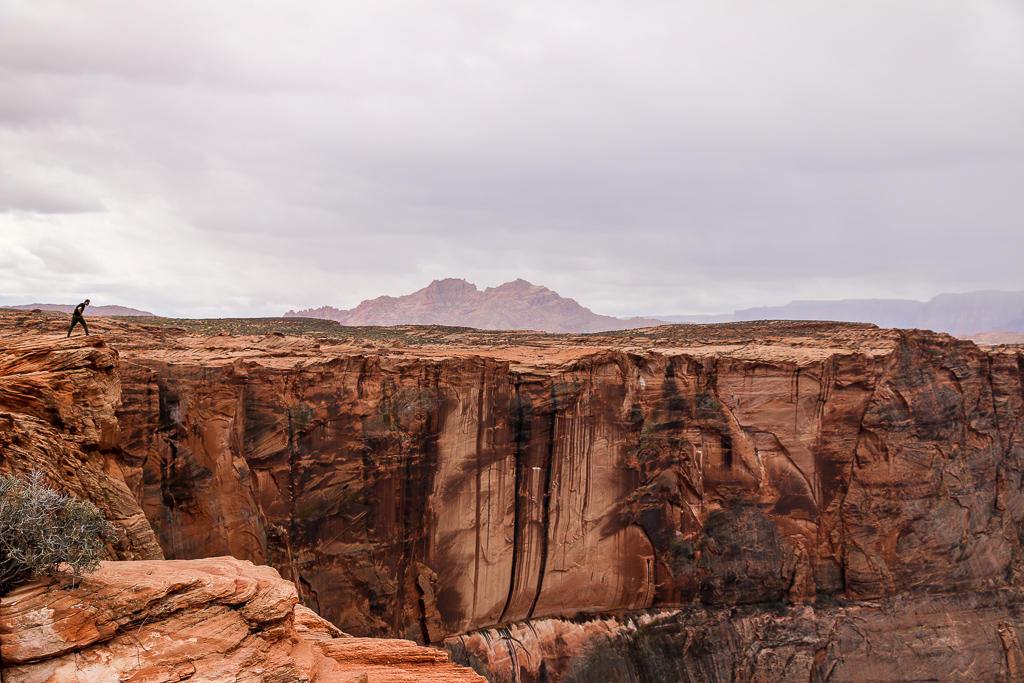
(41, 529)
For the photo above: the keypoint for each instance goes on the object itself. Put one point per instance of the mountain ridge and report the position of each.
(515, 305)
(521, 305)
(91, 310)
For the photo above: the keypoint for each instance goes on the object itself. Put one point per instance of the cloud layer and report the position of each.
(245, 158)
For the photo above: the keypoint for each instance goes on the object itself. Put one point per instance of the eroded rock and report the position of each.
(217, 619)
(58, 403)
(769, 464)
(453, 486)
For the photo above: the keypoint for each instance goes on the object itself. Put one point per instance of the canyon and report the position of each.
(749, 501)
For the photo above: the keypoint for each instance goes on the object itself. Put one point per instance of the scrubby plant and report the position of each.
(41, 529)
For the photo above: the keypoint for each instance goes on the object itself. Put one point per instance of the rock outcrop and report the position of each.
(436, 489)
(516, 305)
(58, 400)
(217, 619)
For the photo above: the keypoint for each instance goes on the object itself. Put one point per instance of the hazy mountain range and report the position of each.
(968, 313)
(520, 305)
(91, 310)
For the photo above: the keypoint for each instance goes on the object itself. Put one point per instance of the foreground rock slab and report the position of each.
(218, 619)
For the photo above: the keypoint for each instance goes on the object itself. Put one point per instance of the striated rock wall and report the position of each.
(432, 491)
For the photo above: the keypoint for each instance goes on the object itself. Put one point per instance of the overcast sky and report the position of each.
(246, 158)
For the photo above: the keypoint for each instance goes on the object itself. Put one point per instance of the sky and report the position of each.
(245, 158)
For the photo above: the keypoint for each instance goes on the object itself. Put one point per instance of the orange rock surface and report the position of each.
(217, 619)
(58, 400)
(956, 637)
(441, 481)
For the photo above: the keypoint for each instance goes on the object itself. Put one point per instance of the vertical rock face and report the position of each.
(430, 492)
(185, 428)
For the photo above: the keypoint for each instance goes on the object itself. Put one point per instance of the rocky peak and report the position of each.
(451, 289)
(517, 285)
(516, 305)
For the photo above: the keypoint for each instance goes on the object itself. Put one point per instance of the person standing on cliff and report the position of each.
(78, 317)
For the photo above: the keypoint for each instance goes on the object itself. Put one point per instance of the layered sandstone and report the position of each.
(456, 488)
(58, 400)
(444, 485)
(217, 619)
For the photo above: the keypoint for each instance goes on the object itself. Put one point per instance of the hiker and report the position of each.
(79, 317)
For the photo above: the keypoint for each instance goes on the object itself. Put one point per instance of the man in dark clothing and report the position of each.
(79, 317)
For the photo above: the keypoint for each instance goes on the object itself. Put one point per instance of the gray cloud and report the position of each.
(655, 157)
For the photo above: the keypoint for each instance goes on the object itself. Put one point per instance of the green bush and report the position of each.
(40, 530)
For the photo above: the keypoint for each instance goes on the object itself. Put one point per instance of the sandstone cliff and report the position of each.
(446, 486)
(460, 489)
(964, 637)
(57, 415)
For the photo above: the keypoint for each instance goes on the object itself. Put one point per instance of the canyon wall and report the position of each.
(455, 493)
(953, 637)
(428, 492)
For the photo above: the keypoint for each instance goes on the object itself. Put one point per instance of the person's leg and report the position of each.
(85, 326)
(73, 321)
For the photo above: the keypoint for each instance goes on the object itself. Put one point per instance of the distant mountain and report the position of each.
(964, 314)
(515, 305)
(91, 310)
